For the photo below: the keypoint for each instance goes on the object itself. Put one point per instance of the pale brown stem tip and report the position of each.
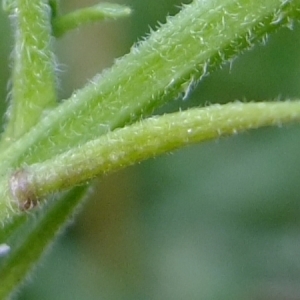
(22, 190)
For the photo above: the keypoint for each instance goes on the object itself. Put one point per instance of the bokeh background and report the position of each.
(219, 220)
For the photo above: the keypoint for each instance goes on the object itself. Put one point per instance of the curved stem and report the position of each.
(204, 34)
(100, 12)
(146, 139)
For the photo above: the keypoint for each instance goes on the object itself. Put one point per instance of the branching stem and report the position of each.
(48, 147)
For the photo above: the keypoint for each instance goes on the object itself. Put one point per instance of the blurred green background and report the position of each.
(218, 220)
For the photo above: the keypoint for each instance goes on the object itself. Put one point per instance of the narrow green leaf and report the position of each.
(146, 139)
(204, 35)
(100, 12)
(10, 229)
(45, 226)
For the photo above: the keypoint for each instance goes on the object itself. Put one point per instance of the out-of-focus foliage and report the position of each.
(215, 221)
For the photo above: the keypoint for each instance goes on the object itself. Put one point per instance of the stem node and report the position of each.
(22, 190)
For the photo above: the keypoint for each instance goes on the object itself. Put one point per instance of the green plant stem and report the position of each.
(33, 79)
(10, 228)
(55, 8)
(146, 139)
(102, 11)
(82, 138)
(204, 34)
(47, 224)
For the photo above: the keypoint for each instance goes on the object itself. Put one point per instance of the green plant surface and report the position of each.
(146, 139)
(102, 11)
(99, 108)
(33, 82)
(42, 232)
(49, 146)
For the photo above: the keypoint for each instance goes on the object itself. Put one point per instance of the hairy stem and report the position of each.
(147, 139)
(46, 226)
(100, 12)
(204, 34)
(33, 80)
